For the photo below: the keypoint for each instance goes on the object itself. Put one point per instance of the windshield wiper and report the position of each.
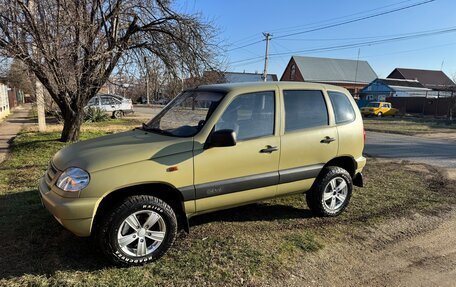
(155, 130)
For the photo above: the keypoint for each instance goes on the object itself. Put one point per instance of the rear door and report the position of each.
(309, 138)
(107, 103)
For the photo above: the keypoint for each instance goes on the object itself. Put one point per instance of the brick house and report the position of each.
(350, 74)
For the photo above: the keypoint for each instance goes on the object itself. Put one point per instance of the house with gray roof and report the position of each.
(380, 90)
(432, 79)
(350, 74)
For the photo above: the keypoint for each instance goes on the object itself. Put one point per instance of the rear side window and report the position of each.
(343, 109)
(304, 109)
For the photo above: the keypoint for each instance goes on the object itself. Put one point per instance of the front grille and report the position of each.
(50, 174)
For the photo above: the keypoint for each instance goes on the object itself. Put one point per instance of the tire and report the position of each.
(322, 195)
(121, 242)
(117, 114)
(380, 114)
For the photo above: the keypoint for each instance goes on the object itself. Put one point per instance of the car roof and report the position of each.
(111, 95)
(245, 86)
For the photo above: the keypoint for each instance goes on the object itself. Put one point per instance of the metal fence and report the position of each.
(426, 103)
(432, 104)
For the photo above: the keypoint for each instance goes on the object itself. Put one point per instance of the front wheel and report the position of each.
(380, 114)
(139, 230)
(331, 192)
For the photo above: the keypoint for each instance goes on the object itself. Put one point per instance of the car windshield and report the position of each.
(373, 105)
(186, 115)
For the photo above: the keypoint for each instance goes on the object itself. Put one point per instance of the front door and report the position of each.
(248, 171)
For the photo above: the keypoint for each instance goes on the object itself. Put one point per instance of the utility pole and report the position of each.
(39, 91)
(355, 89)
(266, 56)
(147, 79)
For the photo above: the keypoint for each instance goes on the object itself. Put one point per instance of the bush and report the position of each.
(95, 115)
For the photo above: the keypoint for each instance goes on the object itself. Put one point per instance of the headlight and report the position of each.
(73, 179)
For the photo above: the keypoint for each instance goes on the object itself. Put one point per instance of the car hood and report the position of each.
(119, 149)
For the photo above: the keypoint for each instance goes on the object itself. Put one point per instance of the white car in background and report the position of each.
(118, 106)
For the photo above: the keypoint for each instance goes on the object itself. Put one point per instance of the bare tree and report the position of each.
(17, 75)
(77, 44)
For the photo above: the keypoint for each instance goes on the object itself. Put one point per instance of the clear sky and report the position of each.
(241, 22)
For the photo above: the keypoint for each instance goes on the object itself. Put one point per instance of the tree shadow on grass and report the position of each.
(34, 243)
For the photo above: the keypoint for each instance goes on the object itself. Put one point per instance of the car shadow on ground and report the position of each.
(253, 212)
(34, 243)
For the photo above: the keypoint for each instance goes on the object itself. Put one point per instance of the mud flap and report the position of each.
(358, 180)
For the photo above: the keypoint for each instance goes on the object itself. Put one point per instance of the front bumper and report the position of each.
(75, 214)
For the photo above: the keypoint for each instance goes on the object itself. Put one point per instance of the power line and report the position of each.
(359, 44)
(248, 59)
(368, 43)
(244, 46)
(355, 20)
(285, 29)
(253, 36)
(410, 50)
(248, 63)
(339, 23)
(358, 38)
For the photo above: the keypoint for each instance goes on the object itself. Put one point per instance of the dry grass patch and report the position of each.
(241, 246)
(410, 126)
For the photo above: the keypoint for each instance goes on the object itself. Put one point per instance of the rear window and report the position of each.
(304, 109)
(343, 109)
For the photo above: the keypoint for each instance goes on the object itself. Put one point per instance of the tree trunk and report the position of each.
(71, 127)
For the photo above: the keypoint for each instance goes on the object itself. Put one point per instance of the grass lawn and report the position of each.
(243, 246)
(409, 126)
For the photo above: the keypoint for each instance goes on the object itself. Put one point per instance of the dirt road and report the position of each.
(418, 251)
(431, 151)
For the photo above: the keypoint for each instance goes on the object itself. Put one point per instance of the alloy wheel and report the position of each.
(141, 233)
(335, 194)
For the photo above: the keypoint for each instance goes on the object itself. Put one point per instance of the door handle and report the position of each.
(269, 149)
(327, 140)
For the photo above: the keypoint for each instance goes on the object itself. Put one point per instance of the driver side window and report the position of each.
(249, 116)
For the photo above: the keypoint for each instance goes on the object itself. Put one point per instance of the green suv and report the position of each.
(211, 148)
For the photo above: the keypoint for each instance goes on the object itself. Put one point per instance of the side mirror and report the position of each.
(222, 138)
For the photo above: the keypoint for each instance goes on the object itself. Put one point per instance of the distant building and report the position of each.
(16, 97)
(4, 101)
(350, 74)
(217, 77)
(432, 79)
(381, 89)
(238, 77)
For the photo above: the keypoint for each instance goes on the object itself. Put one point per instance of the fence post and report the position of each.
(424, 102)
(452, 105)
(437, 105)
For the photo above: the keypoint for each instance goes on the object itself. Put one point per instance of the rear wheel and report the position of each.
(331, 192)
(139, 230)
(117, 114)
